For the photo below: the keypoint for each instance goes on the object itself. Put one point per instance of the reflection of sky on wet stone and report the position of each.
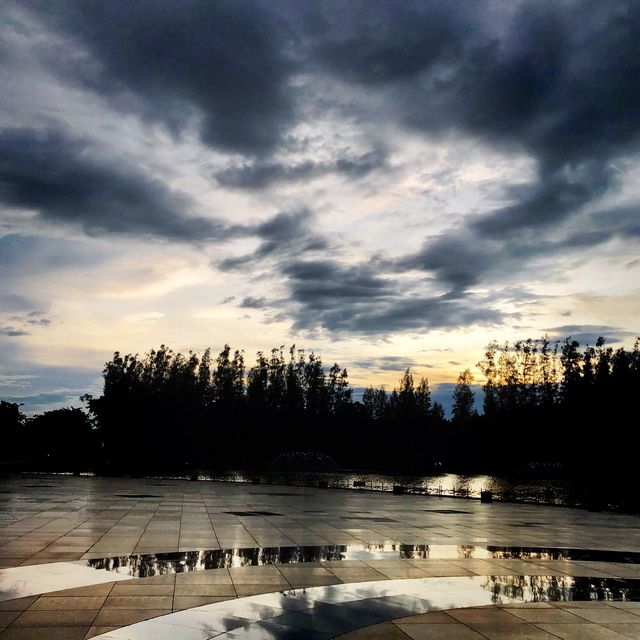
(391, 196)
(154, 564)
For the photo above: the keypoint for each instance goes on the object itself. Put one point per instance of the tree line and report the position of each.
(543, 401)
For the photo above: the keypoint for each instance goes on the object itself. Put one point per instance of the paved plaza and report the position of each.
(155, 558)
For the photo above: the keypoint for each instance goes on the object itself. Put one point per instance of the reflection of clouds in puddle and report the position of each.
(372, 552)
(19, 582)
(333, 610)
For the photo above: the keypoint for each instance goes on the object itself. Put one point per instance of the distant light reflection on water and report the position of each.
(547, 491)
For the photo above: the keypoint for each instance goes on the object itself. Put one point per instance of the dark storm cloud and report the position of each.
(589, 333)
(66, 179)
(261, 174)
(622, 221)
(324, 283)
(284, 236)
(223, 62)
(462, 259)
(343, 298)
(557, 81)
(554, 81)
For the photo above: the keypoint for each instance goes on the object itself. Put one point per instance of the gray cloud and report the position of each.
(391, 363)
(20, 321)
(12, 332)
(345, 298)
(464, 257)
(224, 63)
(589, 333)
(283, 236)
(553, 80)
(249, 302)
(67, 180)
(520, 76)
(261, 174)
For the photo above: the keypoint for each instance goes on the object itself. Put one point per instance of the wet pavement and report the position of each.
(203, 544)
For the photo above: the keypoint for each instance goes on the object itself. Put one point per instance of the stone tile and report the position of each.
(355, 575)
(81, 618)
(5, 563)
(435, 617)
(93, 590)
(7, 617)
(546, 615)
(45, 633)
(383, 631)
(315, 581)
(244, 590)
(19, 604)
(146, 589)
(605, 614)
(625, 629)
(138, 602)
(524, 631)
(205, 590)
(439, 632)
(123, 617)
(48, 603)
(277, 582)
(188, 602)
(215, 576)
(96, 631)
(487, 615)
(586, 631)
(528, 605)
(168, 578)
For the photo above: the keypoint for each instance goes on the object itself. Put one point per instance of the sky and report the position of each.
(388, 184)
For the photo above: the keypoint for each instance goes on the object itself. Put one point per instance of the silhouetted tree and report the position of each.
(375, 402)
(12, 435)
(63, 438)
(557, 394)
(463, 398)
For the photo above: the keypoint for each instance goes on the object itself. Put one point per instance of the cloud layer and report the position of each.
(362, 170)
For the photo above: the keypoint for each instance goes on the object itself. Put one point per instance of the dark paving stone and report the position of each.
(252, 513)
(446, 511)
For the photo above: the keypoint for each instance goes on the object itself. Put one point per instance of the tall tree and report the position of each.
(463, 398)
(12, 422)
(374, 402)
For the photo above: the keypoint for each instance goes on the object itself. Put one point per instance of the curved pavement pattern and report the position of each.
(318, 613)
(331, 562)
